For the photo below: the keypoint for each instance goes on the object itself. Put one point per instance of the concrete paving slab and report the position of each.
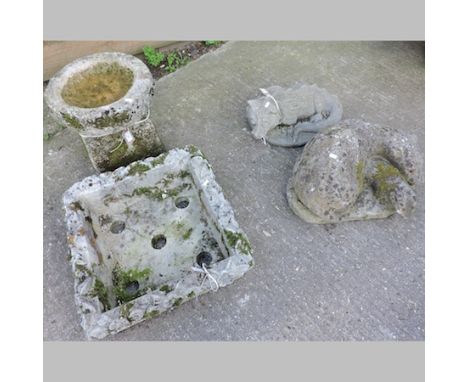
(354, 281)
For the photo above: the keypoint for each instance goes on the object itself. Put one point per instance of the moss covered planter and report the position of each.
(106, 97)
(148, 237)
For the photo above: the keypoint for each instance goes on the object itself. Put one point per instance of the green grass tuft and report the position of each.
(153, 57)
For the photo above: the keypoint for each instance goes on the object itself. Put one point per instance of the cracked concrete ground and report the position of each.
(354, 281)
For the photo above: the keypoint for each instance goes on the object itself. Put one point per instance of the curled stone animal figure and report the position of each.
(290, 117)
(355, 171)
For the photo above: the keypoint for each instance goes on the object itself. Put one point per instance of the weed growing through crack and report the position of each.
(153, 57)
(211, 42)
(175, 61)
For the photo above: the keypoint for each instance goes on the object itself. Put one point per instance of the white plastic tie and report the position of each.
(144, 119)
(208, 276)
(268, 94)
(117, 147)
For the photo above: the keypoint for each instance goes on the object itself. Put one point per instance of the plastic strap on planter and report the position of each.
(208, 275)
(267, 94)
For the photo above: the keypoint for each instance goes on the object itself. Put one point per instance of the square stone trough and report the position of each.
(147, 237)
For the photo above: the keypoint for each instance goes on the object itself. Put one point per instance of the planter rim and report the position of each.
(140, 90)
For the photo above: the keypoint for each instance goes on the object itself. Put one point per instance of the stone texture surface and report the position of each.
(355, 170)
(360, 280)
(123, 276)
(290, 117)
(114, 134)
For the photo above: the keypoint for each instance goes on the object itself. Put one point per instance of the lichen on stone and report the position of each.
(166, 288)
(100, 291)
(122, 279)
(72, 121)
(177, 301)
(111, 120)
(187, 234)
(125, 310)
(159, 160)
(183, 174)
(385, 181)
(83, 269)
(360, 176)
(151, 314)
(160, 193)
(239, 241)
(195, 151)
(138, 168)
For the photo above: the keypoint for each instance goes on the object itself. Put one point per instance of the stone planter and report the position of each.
(148, 237)
(106, 98)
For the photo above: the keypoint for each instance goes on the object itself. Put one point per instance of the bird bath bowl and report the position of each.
(148, 237)
(106, 98)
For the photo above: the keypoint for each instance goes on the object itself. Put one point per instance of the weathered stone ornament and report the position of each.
(106, 98)
(290, 117)
(354, 171)
(148, 237)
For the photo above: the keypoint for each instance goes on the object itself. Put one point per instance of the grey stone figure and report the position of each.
(290, 117)
(355, 171)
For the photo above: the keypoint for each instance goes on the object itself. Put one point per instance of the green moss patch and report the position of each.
(159, 160)
(100, 291)
(138, 168)
(82, 269)
(125, 310)
(239, 241)
(360, 174)
(151, 314)
(111, 120)
(183, 174)
(159, 193)
(123, 279)
(166, 289)
(122, 155)
(195, 151)
(72, 121)
(177, 301)
(150, 192)
(187, 234)
(385, 181)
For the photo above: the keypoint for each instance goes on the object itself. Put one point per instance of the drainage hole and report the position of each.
(158, 241)
(182, 202)
(117, 226)
(132, 287)
(204, 258)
